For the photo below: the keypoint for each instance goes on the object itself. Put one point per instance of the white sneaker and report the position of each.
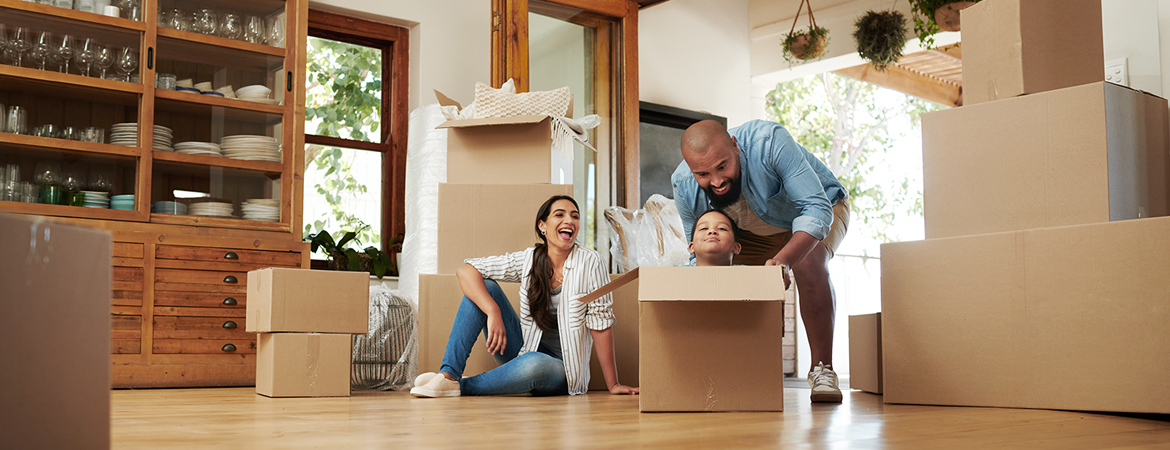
(423, 379)
(823, 381)
(438, 386)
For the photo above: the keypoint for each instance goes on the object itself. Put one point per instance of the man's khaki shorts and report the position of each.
(759, 249)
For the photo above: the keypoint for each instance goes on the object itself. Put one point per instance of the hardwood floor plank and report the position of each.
(238, 418)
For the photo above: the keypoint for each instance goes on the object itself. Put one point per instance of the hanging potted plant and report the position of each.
(881, 36)
(932, 16)
(803, 45)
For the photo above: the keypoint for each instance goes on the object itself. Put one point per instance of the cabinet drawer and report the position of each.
(200, 299)
(187, 327)
(228, 255)
(200, 281)
(243, 346)
(126, 334)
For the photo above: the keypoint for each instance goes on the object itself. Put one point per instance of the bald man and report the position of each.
(790, 209)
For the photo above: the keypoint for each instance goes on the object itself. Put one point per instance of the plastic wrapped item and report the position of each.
(651, 237)
(426, 167)
(387, 357)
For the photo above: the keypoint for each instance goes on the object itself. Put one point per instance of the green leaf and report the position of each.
(354, 260)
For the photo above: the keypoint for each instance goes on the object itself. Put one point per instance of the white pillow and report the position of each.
(491, 102)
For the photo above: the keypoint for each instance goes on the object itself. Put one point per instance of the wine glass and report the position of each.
(41, 50)
(230, 26)
(21, 42)
(276, 33)
(205, 22)
(85, 55)
(64, 53)
(126, 62)
(3, 42)
(104, 59)
(254, 30)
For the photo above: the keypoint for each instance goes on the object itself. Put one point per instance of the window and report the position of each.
(355, 128)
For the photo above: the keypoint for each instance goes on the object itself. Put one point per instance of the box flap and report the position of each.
(513, 120)
(446, 101)
(712, 284)
(612, 286)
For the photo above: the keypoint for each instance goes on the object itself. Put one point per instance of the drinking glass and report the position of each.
(85, 5)
(47, 172)
(126, 62)
(254, 30)
(179, 20)
(94, 134)
(64, 53)
(22, 41)
(230, 26)
(3, 123)
(4, 48)
(100, 181)
(85, 54)
(276, 32)
(41, 49)
(17, 120)
(104, 60)
(205, 22)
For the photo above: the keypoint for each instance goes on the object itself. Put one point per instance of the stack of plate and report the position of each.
(251, 148)
(198, 148)
(94, 199)
(211, 209)
(168, 207)
(123, 202)
(126, 134)
(262, 209)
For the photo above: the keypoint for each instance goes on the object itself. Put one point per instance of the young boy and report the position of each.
(714, 240)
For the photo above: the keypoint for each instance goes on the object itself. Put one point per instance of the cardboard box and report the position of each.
(308, 301)
(1016, 47)
(1087, 154)
(1031, 319)
(439, 300)
(500, 150)
(477, 220)
(865, 352)
(55, 282)
(303, 365)
(710, 338)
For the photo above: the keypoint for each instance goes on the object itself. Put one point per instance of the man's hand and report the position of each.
(619, 389)
(497, 337)
(777, 262)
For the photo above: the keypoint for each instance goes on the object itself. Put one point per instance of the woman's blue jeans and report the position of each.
(534, 372)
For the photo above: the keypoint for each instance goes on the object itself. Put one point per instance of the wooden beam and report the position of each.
(908, 82)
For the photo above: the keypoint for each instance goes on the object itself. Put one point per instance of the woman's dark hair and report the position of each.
(540, 278)
(734, 227)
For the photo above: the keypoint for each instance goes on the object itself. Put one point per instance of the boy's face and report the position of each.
(712, 241)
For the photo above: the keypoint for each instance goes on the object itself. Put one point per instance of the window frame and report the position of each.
(394, 43)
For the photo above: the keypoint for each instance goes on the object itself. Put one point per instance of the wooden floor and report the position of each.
(237, 418)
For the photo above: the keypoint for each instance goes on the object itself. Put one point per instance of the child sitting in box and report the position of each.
(714, 240)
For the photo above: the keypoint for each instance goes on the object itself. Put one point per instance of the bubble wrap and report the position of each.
(426, 167)
(651, 236)
(387, 357)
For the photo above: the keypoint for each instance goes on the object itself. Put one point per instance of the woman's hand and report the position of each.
(619, 389)
(497, 337)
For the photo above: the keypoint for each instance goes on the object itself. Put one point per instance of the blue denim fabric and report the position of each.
(533, 372)
(783, 183)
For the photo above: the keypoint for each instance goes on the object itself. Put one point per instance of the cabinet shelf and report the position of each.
(56, 84)
(41, 209)
(198, 163)
(39, 144)
(204, 105)
(217, 222)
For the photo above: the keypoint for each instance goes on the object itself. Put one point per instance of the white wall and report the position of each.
(695, 54)
(450, 41)
(1130, 29)
(1164, 38)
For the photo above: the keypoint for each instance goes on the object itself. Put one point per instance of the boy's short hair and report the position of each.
(734, 227)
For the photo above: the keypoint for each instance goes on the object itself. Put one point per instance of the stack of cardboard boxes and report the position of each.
(306, 319)
(1034, 288)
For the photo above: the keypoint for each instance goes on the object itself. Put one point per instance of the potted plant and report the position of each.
(341, 257)
(881, 36)
(932, 16)
(808, 44)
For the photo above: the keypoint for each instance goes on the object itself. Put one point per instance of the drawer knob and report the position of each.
(228, 348)
(230, 279)
(231, 255)
(229, 324)
(230, 301)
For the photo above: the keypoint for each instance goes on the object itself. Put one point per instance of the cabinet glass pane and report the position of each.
(209, 191)
(253, 21)
(73, 179)
(65, 45)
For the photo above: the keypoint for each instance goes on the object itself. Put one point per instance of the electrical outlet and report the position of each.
(1117, 71)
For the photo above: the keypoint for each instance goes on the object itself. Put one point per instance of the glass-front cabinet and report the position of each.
(173, 125)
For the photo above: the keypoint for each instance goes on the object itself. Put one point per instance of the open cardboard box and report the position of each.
(499, 150)
(701, 329)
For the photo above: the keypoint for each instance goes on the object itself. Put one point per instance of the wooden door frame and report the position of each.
(510, 60)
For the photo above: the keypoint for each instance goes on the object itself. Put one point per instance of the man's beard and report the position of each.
(725, 200)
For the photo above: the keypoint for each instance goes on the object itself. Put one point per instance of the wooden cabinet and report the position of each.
(180, 272)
